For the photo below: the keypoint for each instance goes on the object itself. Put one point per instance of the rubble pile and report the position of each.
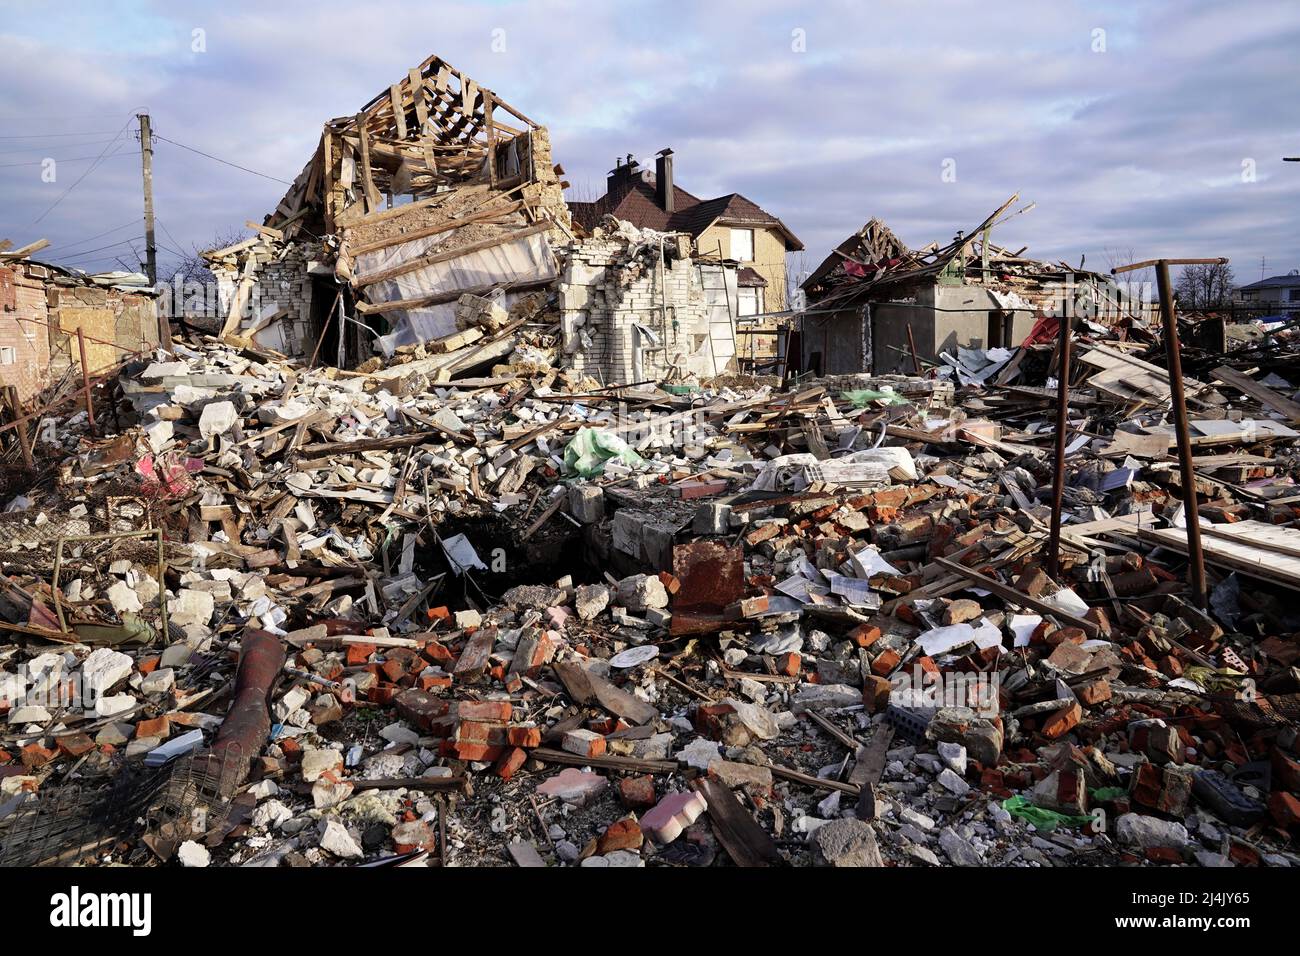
(374, 617)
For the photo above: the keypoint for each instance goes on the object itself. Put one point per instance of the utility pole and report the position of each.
(150, 247)
(1174, 367)
(146, 166)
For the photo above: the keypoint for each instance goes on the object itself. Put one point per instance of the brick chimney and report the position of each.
(664, 180)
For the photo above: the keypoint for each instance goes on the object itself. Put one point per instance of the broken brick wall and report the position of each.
(613, 304)
(24, 345)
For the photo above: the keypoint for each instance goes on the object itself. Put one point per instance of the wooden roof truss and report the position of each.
(435, 128)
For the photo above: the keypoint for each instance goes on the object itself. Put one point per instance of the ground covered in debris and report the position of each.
(284, 616)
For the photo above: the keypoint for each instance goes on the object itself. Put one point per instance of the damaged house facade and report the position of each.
(42, 307)
(434, 190)
(431, 227)
(730, 229)
(876, 306)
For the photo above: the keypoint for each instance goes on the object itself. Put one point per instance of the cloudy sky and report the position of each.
(1155, 128)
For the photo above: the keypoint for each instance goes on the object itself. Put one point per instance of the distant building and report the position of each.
(1280, 293)
(729, 226)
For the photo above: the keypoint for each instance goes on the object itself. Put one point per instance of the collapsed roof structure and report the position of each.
(434, 189)
(875, 305)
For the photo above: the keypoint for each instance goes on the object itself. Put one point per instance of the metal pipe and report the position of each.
(1195, 557)
(1062, 424)
(911, 344)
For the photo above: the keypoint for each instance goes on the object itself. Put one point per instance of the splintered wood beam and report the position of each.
(371, 194)
(399, 111)
(416, 85)
(437, 227)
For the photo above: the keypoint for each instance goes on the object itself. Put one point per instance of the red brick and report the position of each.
(637, 793)
(1285, 809)
(624, 834)
(480, 732)
(486, 710)
(34, 755)
(524, 736)
(75, 745)
(158, 727)
(864, 635)
(1094, 692)
(789, 664)
(510, 762)
(1063, 720)
(437, 653)
(476, 752)
(875, 693)
(885, 663)
(359, 654)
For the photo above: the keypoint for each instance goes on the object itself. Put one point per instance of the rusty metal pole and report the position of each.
(85, 379)
(911, 344)
(1195, 557)
(1062, 425)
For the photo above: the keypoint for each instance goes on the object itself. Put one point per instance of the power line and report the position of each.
(90, 169)
(220, 160)
(70, 159)
(38, 148)
(98, 235)
(84, 132)
(86, 252)
(172, 249)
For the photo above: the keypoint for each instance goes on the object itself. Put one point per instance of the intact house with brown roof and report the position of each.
(729, 227)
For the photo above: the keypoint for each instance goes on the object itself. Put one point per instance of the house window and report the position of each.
(8, 355)
(749, 301)
(742, 245)
(1293, 295)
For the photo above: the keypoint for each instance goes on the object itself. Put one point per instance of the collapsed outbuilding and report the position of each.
(876, 305)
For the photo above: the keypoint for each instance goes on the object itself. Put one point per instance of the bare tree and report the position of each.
(1204, 287)
(192, 267)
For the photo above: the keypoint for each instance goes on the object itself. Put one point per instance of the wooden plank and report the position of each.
(1258, 534)
(605, 761)
(474, 659)
(445, 225)
(745, 841)
(1265, 565)
(1008, 593)
(370, 193)
(868, 768)
(1260, 393)
(399, 112)
(416, 84)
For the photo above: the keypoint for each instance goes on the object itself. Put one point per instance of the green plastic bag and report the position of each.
(1042, 818)
(589, 449)
(1102, 794)
(863, 396)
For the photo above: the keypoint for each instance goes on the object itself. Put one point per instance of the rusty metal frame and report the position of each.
(111, 536)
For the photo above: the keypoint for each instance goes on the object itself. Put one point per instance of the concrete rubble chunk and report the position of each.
(847, 843)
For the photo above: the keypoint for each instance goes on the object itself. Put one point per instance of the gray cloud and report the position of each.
(1139, 147)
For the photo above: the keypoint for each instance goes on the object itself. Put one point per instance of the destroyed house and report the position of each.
(434, 189)
(42, 307)
(430, 229)
(874, 305)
